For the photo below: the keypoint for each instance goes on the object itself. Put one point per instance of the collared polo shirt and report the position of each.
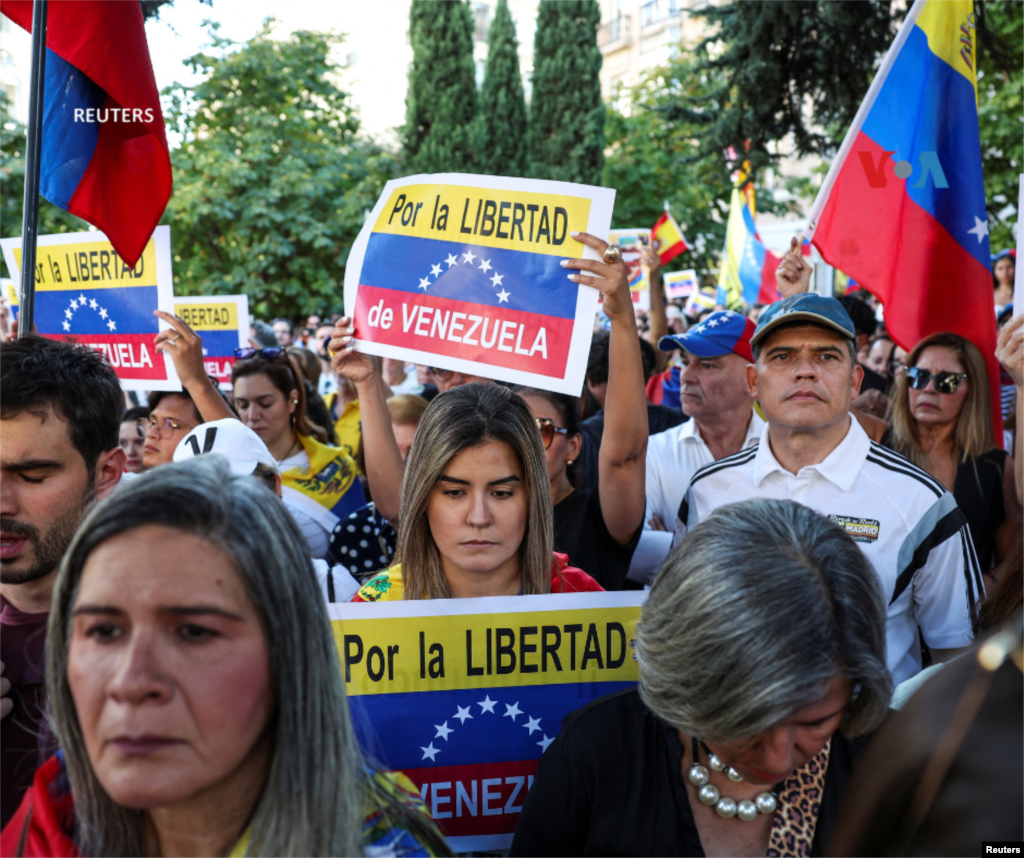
(673, 457)
(903, 519)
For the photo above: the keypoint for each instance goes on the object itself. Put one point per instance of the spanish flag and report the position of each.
(668, 238)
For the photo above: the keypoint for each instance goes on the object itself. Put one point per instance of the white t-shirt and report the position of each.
(336, 583)
(673, 457)
(308, 514)
(903, 519)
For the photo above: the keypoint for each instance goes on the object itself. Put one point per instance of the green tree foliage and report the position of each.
(441, 131)
(567, 113)
(650, 161)
(1001, 112)
(151, 9)
(788, 67)
(271, 184)
(502, 106)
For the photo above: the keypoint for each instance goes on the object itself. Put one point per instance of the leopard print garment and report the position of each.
(799, 801)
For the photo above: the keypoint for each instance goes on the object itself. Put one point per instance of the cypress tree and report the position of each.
(566, 135)
(440, 130)
(502, 106)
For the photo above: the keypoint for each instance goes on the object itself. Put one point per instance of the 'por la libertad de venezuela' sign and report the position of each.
(462, 272)
(222, 322)
(464, 695)
(85, 291)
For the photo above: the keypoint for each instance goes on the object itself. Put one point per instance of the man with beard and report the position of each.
(60, 411)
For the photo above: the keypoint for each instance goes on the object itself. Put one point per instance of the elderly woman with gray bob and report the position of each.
(196, 692)
(761, 651)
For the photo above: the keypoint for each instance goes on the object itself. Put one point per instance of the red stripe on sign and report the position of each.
(132, 356)
(219, 368)
(480, 799)
(531, 342)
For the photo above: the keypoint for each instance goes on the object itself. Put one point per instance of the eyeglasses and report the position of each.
(945, 382)
(270, 353)
(896, 367)
(548, 429)
(164, 430)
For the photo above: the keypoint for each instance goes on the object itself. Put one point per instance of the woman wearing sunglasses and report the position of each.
(318, 481)
(942, 422)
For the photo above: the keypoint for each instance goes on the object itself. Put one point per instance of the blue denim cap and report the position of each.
(808, 307)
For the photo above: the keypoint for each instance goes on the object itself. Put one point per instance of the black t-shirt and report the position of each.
(979, 494)
(612, 784)
(873, 381)
(581, 533)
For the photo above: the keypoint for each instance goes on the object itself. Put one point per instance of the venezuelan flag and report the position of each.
(747, 274)
(902, 210)
(104, 150)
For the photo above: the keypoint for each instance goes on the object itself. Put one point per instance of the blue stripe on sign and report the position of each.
(926, 106)
(130, 309)
(395, 729)
(534, 282)
(68, 145)
(219, 343)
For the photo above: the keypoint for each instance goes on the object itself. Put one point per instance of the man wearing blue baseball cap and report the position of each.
(813, 451)
(713, 393)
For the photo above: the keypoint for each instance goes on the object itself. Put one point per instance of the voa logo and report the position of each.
(928, 164)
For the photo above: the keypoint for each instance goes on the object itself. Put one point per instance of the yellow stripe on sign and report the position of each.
(392, 655)
(950, 28)
(89, 265)
(214, 316)
(508, 220)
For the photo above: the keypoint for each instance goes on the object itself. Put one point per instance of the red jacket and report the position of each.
(39, 827)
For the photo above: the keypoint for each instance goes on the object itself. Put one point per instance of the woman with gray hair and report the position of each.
(196, 692)
(762, 657)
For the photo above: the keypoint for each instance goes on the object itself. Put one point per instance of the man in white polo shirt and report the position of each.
(812, 451)
(713, 394)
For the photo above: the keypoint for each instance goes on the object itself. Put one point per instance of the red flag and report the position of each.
(104, 150)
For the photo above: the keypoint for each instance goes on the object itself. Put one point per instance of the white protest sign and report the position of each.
(222, 322)
(462, 272)
(681, 284)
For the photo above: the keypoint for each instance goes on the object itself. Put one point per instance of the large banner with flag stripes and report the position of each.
(462, 272)
(464, 695)
(86, 292)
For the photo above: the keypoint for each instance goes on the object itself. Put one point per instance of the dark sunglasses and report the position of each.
(270, 353)
(548, 429)
(945, 382)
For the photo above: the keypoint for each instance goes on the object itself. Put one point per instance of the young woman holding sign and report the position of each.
(619, 507)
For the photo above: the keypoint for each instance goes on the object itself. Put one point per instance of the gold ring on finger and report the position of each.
(612, 254)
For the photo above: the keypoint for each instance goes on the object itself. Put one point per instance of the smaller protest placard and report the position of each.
(463, 272)
(84, 291)
(223, 323)
(464, 695)
(10, 292)
(680, 284)
(631, 240)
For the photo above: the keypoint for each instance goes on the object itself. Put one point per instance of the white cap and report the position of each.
(230, 438)
(673, 312)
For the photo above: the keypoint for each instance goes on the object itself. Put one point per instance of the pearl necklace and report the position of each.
(747, 810)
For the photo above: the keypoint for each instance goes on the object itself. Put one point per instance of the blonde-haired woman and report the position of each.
(476, 506)
(942, 422)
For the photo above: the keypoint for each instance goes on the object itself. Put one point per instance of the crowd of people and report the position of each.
(829, 528)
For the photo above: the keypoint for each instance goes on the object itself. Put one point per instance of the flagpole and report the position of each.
(30, 212)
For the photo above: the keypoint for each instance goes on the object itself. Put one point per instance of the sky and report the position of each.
(376, 78)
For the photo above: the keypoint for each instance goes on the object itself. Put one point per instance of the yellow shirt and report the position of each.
(347, 426)
(386, 586)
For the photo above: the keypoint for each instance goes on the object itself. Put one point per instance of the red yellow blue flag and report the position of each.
(902, 210)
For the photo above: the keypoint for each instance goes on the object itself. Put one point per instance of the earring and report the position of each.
(568, 462)
(295, 402)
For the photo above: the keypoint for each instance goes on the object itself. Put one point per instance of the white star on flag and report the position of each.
(496, 280)
(92, 303)
(436, 270)
(485, 265)
(443, 730)
(503, 297)
(462, 714)
(468, 256)
(487, 705)
(103, 313)
(68, 313)
(424, 283)
(980, 229)
(544, 742)
(111, 325)
(74, 305)
(67, 326)
(451, 260)
(430, 751)
(512, 711)
(532, 724)
(81, 300)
